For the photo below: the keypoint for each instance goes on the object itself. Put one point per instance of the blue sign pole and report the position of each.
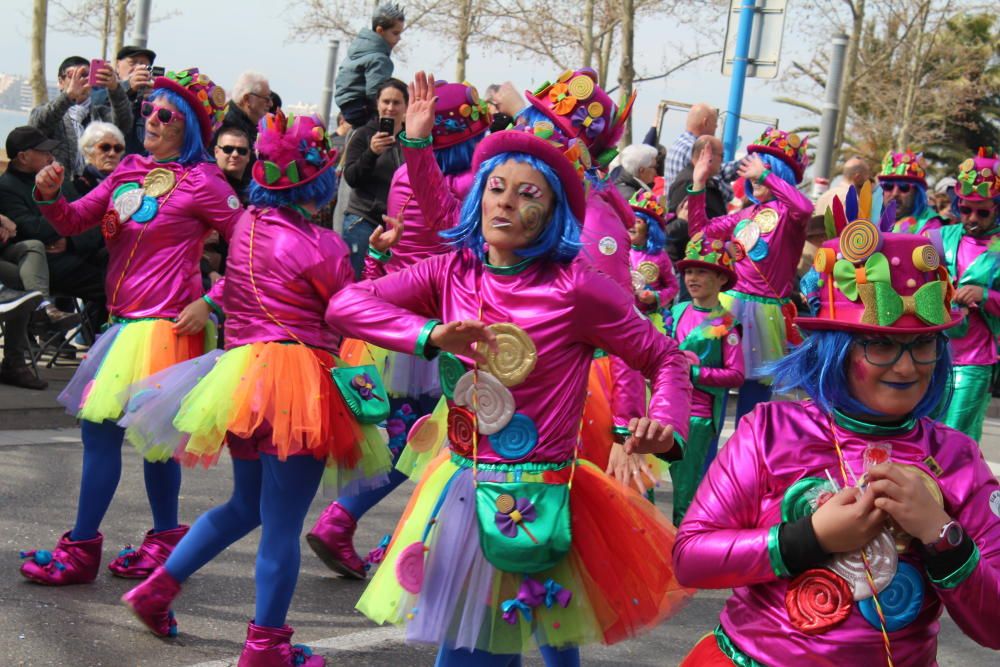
(732, 133)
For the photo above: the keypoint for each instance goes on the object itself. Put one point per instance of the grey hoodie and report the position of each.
(367, 66)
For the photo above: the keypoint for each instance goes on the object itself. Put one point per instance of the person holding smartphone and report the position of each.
(65, 117)
(134, 65)
(373, 156)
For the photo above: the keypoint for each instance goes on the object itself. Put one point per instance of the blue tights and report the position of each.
(102, 470)
(568, 657)
(751, 393)
(267, 492)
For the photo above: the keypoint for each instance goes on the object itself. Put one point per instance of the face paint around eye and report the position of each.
(530, 190)
(495, 183)
(532, 215)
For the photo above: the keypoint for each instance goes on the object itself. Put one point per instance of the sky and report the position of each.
(226, 37)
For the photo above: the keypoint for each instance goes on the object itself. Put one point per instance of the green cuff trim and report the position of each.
(695, 373)
(425, 142)
(694, 192)
(732, 651)
(959, 575)
(43, 202)
(774, 552)
(207, 299)
(621, 430)
(379, 256)
(763, 176)
(421, 348)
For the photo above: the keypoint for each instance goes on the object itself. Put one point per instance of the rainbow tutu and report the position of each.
(765, 339)
(615, 582)
(126, 353)
(404, 375)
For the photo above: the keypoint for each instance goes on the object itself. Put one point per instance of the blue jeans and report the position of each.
(356, 233)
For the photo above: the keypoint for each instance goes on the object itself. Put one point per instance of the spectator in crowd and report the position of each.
(856, 172)
(134, 65)
(65, 117)
(701, 119)
(943, 198)
(637, 170)
(15, 311)
(102, 146)
(368, 64)
(251, 99)
(73, 269)
(232, 154)
(372, 159)
(275, 102)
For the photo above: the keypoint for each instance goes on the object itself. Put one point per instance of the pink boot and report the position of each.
(150, 602)
(69, 563)
(272, 647)
(151, 554)
(332, 540)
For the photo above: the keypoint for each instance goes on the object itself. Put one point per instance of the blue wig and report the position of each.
(320, 191)
(819, 368)
(458, 158)
(192, 149)
(559, 241)
(530, 115)
(778, 168)
(919, 200)
(655, 237)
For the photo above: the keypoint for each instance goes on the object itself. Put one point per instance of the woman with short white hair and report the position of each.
(638, 170)
(102, 146)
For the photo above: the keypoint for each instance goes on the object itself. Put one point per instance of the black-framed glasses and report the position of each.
(890, 186)
(163, 114)
(240, 150)
(110, 148)
(981, 213)
(886, 352)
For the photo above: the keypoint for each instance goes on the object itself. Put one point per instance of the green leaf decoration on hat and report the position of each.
(884, 306)
(272, 172)
(292, 171)
(845, 274)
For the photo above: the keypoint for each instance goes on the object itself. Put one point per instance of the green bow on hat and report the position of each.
(845, 274)
(884, 305)
(272, 172)
(982, 188)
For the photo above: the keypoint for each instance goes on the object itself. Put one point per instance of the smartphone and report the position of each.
(157, 71)
(387, 125)
(96, 64)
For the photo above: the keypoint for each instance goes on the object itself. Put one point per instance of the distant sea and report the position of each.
(8, 121)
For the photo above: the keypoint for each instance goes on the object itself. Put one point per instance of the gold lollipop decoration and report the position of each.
(649, 272)
(159, 182)
(767, 220)
(515, 356)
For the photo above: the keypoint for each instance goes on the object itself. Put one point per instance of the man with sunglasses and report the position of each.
(904, 181)
(975, 272)
(232, 154)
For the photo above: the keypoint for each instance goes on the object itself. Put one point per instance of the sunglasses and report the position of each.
(111, 148)
(240, 150)
(163, 114)
(902, 187)
(981, 213)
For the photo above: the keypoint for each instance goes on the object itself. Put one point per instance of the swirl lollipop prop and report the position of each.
(860, 240)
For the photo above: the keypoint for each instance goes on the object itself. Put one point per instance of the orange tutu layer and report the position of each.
(597, 438)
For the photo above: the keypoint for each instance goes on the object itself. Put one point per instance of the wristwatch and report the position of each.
(949, 538)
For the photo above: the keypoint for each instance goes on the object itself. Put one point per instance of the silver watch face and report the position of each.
(953, 534)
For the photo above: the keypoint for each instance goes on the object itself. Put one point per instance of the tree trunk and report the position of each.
(920, 51)
(121, 24)
(39, 22)
(607, 42)
(626, 72)
(588, 33)
(464, 30)
(106, 29)
(850, 67)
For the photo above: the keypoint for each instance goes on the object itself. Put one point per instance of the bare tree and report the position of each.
(39, 23)
(121, 23)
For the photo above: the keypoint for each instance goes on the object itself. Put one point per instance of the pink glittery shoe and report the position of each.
(332, 540)
(150, 602)
(272, 647)
(69, 563)
(151, 554)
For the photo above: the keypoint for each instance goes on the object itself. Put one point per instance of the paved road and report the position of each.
(86, 626)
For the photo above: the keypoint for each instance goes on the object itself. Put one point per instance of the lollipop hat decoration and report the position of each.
(645, 202)
(905, 166)
(979, 177)
(461, 114)
(292, 151)
(787, 147)
(874, 281)
(207, 99)
(704, 252)
(578, 106)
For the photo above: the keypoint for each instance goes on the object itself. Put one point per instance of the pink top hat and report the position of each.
(291, 151)
(569, 159)
(460, 114)
(874, 281)
(708, 253)
(905, 166)
(207, 99)
(645, 202)
(789, 148)
(582, 110)
(979, 176)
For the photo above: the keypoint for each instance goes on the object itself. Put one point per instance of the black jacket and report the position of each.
(368, 174)
(677, 230)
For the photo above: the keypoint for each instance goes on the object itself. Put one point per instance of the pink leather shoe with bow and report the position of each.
(71, 562)
(332, 538)
(151, 554)
(272, 647)
(150, 602)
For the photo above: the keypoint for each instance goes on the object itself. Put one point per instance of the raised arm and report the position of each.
(70, 219)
